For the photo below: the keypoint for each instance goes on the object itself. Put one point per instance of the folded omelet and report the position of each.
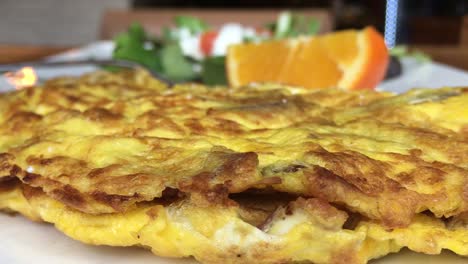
(264, 174)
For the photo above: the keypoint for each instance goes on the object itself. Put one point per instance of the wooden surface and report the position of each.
(456, 56)
(19, 53)
(464, 32)
(116, 21)
(434, 30)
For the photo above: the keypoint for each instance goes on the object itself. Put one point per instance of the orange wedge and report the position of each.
(349, 59)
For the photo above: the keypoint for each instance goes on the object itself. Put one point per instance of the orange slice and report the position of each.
(349, 59)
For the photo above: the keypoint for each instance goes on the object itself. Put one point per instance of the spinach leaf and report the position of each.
(131, 46)
(401, 51)
(314, 26)
(214, 71)
(291, 25)
(175, 66)
(283, 25)
(193, 24)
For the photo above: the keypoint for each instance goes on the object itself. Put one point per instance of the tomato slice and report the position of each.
(207, 40)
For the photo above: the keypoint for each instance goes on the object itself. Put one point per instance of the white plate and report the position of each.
(101, 50)
(24, 242)
(427, 75)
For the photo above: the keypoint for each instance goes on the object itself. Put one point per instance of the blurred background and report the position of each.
(437, 27)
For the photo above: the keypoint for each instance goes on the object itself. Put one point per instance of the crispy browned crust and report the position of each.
(8, 183)
(356, 149)
(319, 214)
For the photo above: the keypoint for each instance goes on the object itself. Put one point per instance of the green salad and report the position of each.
(192, 50)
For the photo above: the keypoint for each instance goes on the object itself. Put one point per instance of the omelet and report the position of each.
(296, 230)
(265, 172)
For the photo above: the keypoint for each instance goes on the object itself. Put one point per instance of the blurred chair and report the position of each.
(153, 20)
(454, 55)
(464, 32)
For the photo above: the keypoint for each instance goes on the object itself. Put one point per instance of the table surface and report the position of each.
(456, 56)
(19, 53)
